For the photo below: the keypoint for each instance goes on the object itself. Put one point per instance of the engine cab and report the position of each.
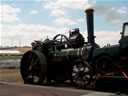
(75, 38)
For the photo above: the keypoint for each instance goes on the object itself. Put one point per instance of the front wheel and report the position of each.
(33, 67)
(81, 74)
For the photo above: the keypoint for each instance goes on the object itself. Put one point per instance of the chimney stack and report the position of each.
(90, 27)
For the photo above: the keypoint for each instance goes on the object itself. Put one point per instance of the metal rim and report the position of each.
(81, 73)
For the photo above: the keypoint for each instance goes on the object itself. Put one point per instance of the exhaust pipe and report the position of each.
(90, 27)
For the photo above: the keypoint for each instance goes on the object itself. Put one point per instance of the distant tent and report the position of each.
(2, 52)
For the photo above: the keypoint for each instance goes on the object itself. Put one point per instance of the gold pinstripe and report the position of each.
(82, 49)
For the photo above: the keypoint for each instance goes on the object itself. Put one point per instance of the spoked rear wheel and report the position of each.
(33, 67)
(81, 73)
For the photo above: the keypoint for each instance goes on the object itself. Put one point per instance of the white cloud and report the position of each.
(124, 7)
(8, 9)
(119, 11)
(27, 33)
(93, 2)
(107, 37)
(112, 15)
(80, 20)
(38, 0)
(9, 14)
(74, 4)
(61, 7)
(9, 18)
(62, 21)
(57, 12)
(113, 20)
(33, 12)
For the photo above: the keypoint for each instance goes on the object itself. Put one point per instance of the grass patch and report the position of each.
(10, 57)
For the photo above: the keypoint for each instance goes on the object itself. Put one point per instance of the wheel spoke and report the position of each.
(35, 62)
(78, 67)
(61, 38)
(30, 59)
(83, 69)
(83, 81)
(76, 79)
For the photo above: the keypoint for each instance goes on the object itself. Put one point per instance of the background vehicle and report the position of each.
(112, 64)
(115, 57)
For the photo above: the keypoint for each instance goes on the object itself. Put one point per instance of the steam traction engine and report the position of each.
(62, 58)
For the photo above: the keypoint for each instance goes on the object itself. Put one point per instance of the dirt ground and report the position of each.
(10, 75)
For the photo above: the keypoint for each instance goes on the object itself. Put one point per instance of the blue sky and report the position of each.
(28, 20)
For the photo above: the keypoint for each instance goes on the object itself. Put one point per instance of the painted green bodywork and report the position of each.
(64, 53)
(78, 53)
(110, 51)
